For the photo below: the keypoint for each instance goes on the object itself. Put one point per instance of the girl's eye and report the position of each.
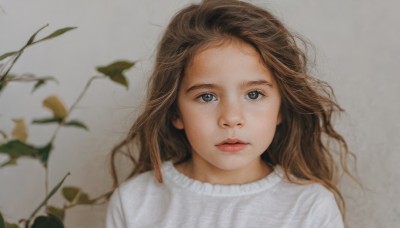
(254, 95)
(207, 97)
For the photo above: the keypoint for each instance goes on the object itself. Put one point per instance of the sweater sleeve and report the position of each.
(336, 223)
(115, 217)
(326, 212)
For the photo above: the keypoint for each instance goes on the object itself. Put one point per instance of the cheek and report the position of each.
(199, 132)
(267, 110)
(195, 118)
(265, 119)
(198, 118)
(198, 123)
(264, 126)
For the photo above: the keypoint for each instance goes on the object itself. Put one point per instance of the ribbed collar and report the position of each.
(173, 176)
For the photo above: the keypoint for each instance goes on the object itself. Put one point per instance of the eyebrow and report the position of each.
(243, 85)
(256, 83)
(200, 86)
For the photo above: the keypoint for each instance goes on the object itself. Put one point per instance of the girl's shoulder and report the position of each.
(309, 198)
(138, 184)
(135, 190)
(132, 195)
(301, 188)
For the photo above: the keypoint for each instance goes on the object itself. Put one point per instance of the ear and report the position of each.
(177, 122)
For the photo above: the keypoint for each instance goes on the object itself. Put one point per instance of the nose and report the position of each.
(231, 115)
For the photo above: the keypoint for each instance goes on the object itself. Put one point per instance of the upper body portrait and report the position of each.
(233, 131)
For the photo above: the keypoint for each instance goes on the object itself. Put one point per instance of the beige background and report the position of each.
(357, 51)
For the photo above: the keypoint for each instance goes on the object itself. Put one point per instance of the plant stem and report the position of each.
(83, 93)
(62, 122)
(12, 64)
(105, 195)
(2, 78)
(54, 190)
(46, 181)
(74, 105)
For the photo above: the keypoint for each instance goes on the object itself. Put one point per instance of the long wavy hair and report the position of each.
(300, 145)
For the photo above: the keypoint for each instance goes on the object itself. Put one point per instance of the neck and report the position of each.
(207, 173)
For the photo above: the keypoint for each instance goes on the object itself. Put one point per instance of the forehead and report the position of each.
(228, 43)
(228, 58)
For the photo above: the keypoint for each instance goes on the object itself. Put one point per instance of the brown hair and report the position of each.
(300, 141)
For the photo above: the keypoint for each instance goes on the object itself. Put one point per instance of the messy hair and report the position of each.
(300, 143)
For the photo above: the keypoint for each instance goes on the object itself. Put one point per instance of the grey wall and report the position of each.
(357, 51)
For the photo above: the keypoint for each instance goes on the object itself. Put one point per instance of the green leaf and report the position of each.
(76, 123)
(42, 81)
(44, 152)
(70, 193)
(84, 199)
(47, 120)
(32, 38)
(16, 149)
(56, 33)
(4, 224)
(50, 221)
(54, 190)
(38, 84)
(58, 212)
(115, 68)
(75, 195)
(39, 81)
(9, 225)
(120, 79)
(8, 54)
(115, 71)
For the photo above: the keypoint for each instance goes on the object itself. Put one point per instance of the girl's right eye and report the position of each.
(207, 97)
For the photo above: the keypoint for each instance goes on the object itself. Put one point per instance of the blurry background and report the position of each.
(357, 52)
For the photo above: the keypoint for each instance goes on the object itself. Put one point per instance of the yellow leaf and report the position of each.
(19, 132)
(56, 106)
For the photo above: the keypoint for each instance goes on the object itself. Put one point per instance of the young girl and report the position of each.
(234, 130)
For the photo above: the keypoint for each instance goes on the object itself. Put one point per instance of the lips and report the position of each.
(232, 145)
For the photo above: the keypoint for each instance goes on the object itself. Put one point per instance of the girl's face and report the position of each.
(228, 106)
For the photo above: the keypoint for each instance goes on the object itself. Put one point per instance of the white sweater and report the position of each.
(183, 202)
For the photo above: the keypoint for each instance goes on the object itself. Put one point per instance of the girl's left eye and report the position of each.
(254, 95)
(207, 97)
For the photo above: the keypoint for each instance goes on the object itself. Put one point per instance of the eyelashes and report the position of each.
(252, 95)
